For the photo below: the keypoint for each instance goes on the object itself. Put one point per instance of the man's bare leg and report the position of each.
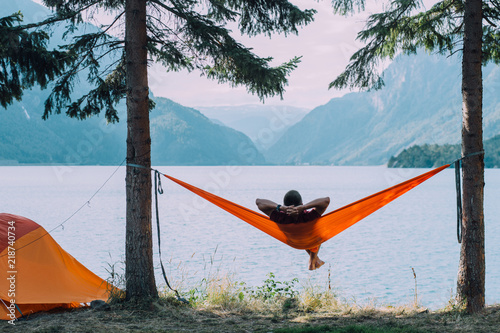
(314, 261)
(311, 259)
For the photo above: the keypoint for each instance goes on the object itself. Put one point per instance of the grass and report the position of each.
(225, 311)
(168, 315)
(347, 329)
(219, 303)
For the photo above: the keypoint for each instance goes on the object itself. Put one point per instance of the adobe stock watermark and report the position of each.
(76, 155)
(219, 180)
(11, 272)
(281, 119)
(394, 176)
(247, 153)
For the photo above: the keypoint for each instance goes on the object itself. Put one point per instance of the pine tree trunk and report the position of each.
(471, 274)
(139, 272)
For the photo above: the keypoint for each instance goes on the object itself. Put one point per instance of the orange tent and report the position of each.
(39, 275)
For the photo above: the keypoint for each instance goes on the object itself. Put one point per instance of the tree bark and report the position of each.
(471, 274)
(139, 272)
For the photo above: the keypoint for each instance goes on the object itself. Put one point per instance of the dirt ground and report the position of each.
(181, 318)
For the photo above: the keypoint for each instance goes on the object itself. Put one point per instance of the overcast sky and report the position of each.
(325, 46)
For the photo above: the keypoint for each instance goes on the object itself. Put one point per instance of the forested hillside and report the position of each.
(430, 156)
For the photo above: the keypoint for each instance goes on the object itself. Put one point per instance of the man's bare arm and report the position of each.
(266, 206)
(320, 205)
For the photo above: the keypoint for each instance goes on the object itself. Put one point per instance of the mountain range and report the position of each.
(180, 135)
(420, 104)
(263, 124)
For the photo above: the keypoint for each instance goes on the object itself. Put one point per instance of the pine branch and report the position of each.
(397, 30)
(491, 14)
(190, 40)
(59, 17)
(217, 54)
(83, 50)
(270, 16)
(25, 60)
(219, 11)
(489, 21)
(345, 7)
(496, 4)
(491, 46)
(172, 10)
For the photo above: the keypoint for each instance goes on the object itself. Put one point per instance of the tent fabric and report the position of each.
(312, 234)
(46, 276)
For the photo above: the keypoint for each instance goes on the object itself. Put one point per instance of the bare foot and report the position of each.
(315, 262)
(319, 263)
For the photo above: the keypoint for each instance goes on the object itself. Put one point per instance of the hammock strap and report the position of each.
(459, 200)
(458, 164)
(159, 190)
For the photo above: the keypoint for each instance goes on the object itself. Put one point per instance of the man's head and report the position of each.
(292, 198)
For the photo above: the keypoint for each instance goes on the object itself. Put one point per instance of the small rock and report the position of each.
(99, 305)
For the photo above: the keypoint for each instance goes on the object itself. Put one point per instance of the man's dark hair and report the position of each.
(292, 198)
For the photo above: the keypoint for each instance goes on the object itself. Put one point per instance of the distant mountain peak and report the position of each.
(264, 124)
(420, 103)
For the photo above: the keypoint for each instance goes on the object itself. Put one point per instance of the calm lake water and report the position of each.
(370, 262)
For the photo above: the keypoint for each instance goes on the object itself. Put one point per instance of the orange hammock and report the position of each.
(311, 234)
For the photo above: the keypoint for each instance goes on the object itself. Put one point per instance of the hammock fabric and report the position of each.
(310, 235)
(44, 276)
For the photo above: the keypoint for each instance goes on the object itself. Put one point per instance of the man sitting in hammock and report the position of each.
(293, 211)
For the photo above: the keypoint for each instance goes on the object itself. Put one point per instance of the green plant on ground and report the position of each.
(220, 291)
(116, 283)
(273, 288)
(454, 307)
